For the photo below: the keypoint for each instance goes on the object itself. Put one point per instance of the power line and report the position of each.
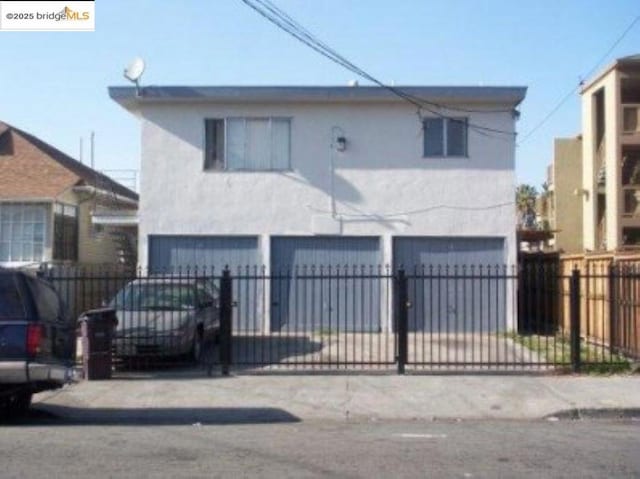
(419, 211)
(574, 89)
(307, 34)
(549, 115)
(291, 26)
(286, 23)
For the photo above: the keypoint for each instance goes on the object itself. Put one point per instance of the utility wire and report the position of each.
(291, 26)
(286, 23)
(419, 211)
(307, 34)
(574, 89)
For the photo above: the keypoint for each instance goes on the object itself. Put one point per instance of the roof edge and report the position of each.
(130, 98)
(79, 169)
(617, 63)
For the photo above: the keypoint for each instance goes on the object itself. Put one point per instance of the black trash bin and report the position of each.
(97, 328)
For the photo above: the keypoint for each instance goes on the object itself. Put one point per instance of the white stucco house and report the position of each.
(269, 170)
(283, 176)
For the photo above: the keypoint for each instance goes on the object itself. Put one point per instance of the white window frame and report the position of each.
(445, 137)
(22, 241)
(245, 119)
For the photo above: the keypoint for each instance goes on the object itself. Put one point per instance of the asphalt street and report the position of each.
(279, 445)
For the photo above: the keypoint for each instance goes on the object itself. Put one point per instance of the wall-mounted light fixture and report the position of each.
(338, 144)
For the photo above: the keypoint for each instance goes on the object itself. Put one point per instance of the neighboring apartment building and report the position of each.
(562, 204)
(291, 177)
(611, 157)
(51, 205)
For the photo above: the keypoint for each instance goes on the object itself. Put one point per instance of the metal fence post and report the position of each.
(226, 313)
(402, 319)
(574, 293)
(613, 309)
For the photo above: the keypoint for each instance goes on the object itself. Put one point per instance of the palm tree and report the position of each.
(525, 204)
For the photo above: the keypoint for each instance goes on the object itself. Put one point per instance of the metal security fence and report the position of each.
(463, 317)
(164, 318)
(532, 317)
(312, 317)
(429, 318)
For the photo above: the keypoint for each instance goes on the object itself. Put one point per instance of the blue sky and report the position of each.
(54, 84)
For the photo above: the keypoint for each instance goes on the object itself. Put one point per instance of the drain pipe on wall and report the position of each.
(338, 144)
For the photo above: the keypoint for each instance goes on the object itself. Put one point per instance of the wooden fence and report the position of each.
(609, 299)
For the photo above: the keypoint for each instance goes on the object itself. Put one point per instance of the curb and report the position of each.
(595, 413)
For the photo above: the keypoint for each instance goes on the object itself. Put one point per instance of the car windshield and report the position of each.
(155, 296)
(11, 305)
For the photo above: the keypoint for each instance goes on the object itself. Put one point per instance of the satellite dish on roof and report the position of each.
(134, 71)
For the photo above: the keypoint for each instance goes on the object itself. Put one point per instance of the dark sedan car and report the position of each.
(37, 339)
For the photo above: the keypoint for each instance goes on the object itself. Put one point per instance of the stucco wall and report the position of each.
(567, 165)
(381, 173)
(610, 83)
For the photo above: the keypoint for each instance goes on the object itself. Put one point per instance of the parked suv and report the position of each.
(37, 339)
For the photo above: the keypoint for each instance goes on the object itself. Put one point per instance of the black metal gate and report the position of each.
(430, 319)
(337, 318)
(350, 318)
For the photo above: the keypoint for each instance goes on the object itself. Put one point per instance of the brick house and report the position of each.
(54, 209)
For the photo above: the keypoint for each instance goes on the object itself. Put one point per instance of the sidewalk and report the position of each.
(307, 397)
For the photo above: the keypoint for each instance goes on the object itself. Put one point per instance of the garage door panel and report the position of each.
(328, 252)
(319, 284)
(168, 253)
(456, 284)
(211, 254)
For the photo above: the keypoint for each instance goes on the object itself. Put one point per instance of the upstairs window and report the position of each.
(445, 137)
(254, 144)
(65, 232)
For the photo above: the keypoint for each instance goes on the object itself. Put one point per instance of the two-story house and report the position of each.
(319, 175)
(290, 177)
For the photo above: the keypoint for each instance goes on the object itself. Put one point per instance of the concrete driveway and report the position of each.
(377, 351)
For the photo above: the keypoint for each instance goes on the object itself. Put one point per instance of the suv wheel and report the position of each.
(19, 403)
